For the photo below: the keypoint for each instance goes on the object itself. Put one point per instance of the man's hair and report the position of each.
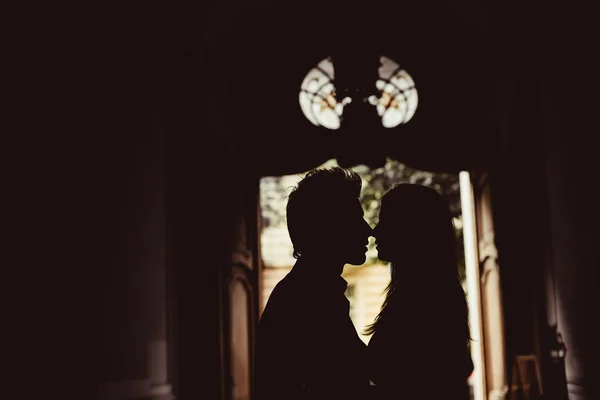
(318, 200)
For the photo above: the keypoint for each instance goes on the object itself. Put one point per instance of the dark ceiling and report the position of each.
(264, 53)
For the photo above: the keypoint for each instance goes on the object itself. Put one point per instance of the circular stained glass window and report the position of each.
(398, 100)
(396, 103)
(318, 97)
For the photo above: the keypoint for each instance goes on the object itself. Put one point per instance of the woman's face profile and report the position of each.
(398, 233)
(387, 234)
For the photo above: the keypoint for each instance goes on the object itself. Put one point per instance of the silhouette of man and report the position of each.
(307, 346)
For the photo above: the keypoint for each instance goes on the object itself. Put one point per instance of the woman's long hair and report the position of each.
(426, 240)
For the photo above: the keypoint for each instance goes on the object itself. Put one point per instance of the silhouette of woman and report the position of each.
(420, 343)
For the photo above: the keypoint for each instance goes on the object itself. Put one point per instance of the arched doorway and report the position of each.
(461, 97)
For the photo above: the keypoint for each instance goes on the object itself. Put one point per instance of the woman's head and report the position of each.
(416, 234)
(415, 224)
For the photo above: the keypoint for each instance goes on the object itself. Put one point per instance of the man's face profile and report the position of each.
(350, 233)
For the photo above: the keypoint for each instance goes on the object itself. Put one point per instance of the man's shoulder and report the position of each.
(282, 298)
(283, 289)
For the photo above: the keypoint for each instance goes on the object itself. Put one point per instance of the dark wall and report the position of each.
(103, 120)
(573, 190)
(547, 196)
(572, 179)
(573, 270)
(113, 329)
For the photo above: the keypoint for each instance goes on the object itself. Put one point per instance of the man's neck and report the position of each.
(324, 266)
(321, 275)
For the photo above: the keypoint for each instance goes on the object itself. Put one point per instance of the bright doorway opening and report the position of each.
(367, 282)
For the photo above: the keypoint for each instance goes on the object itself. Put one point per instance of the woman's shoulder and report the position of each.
(386, 337)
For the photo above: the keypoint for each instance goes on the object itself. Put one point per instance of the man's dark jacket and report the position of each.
(307, 346)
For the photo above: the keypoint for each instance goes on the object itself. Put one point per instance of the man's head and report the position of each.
(325, 217)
